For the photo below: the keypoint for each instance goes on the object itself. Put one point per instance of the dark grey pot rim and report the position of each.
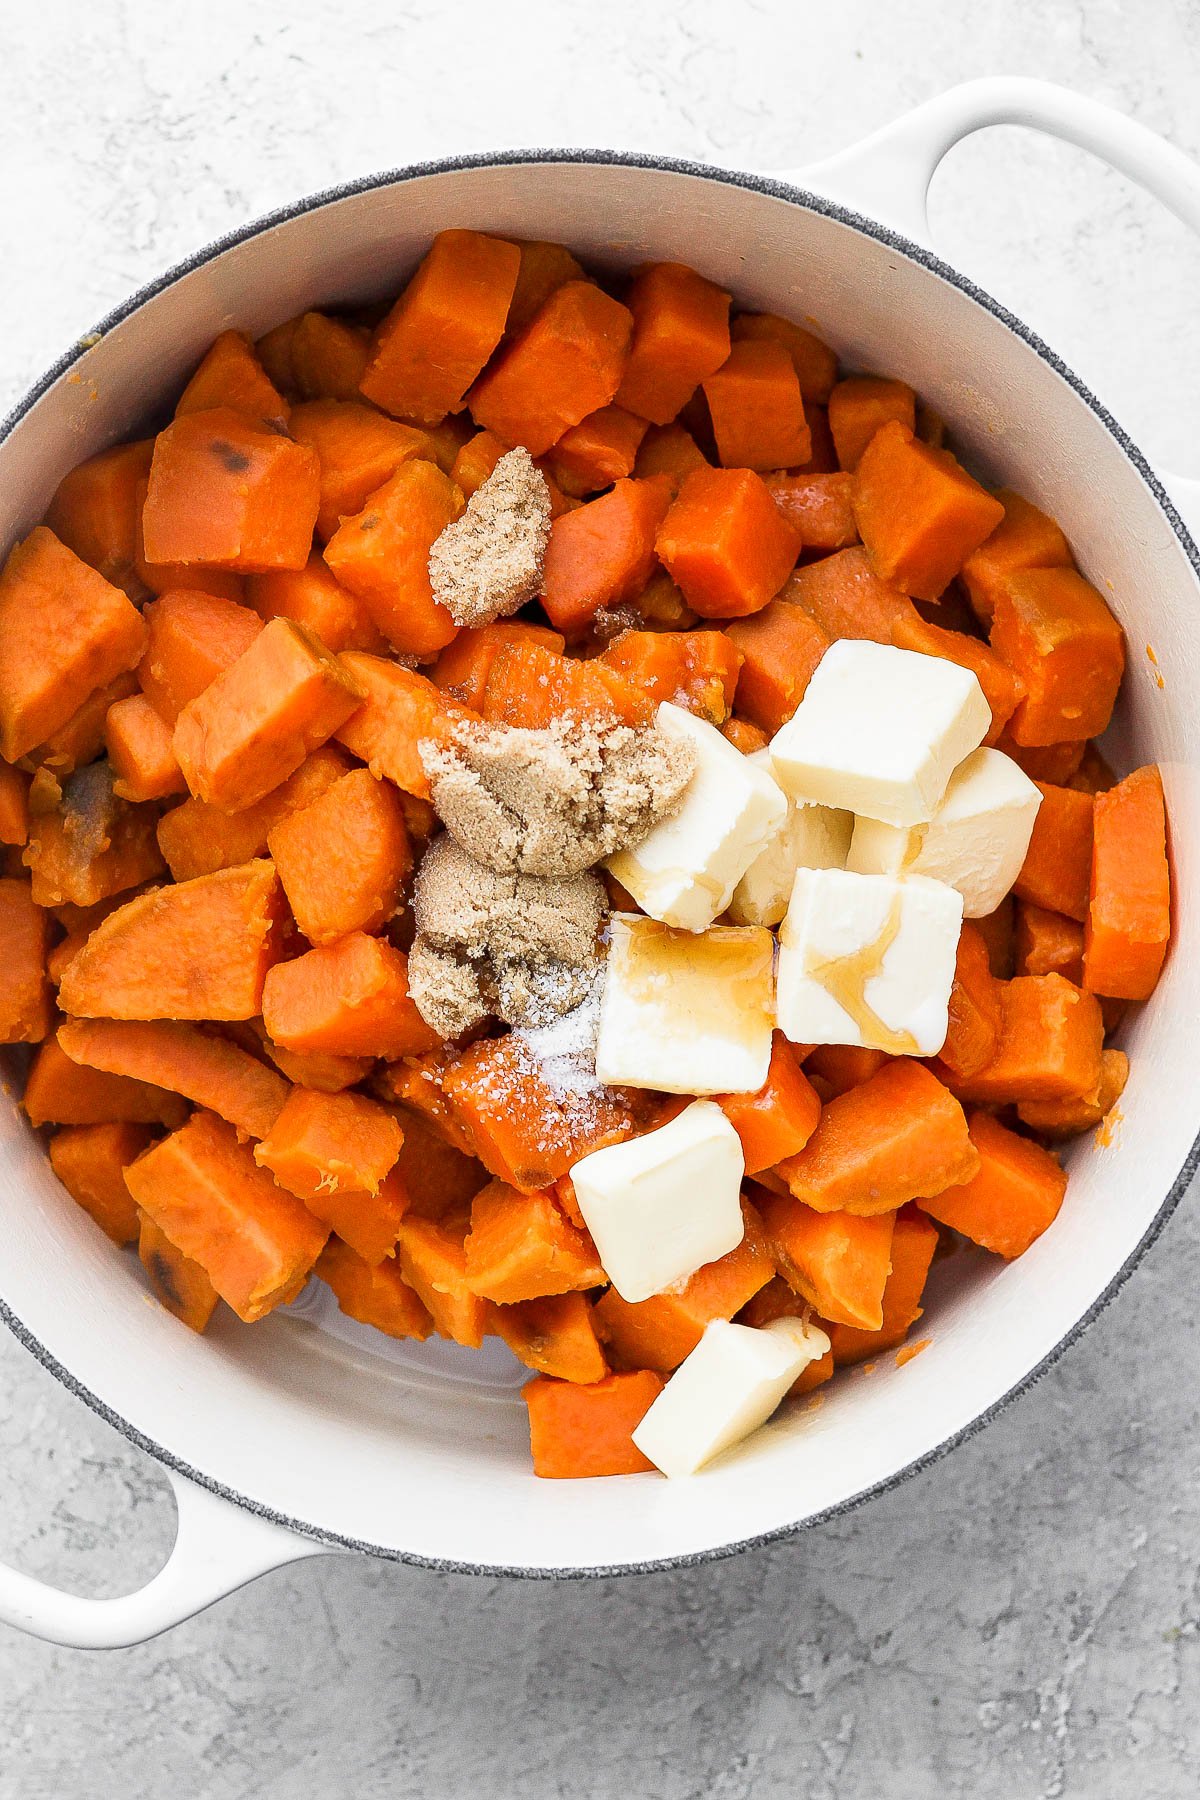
(810, 202)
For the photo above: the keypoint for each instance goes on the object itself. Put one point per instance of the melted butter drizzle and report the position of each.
(845, 979)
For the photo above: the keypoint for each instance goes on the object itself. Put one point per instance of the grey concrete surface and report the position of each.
(1020, 1621)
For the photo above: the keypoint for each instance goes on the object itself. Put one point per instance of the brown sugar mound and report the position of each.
(489, 562)
(492, 945)
(554, 802)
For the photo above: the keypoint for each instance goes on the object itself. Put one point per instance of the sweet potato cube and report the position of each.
(756, 408)
(179, 1284)
(255, 724)
(919, 512)
(199, 839)
(374, 1294)
(382, 555)
(565, 364)
(847, 599)
(462, 669)
(585, 1429)
(64, 631)
(96, 507)
(347, 998)
(820, 507)
(521, 1247)
(231, 375)
(680, 336)
(329, 357)
(210, 1071)
(437, 1178)
(1129, 911)
(400, 711)
(335, 1151)
(913, 1243)
(24, 988)
(205, 1192)
(1051, 1036)
(140, 751)
(228, 492)
(1025, 538)
(1015, 1193)
(444, 326)
(838, 1262)
(1070, 1115)
(1048, 943)
(556, 1335)
(358, 450)
(725, 543)
(1057, 634)
(59, 1091)
(780, 647)
(315, 600)
(90, 1161)
(778, 1120)
(344, 859)
(531, 685)
(191, 638)
(1058, 864)
(92, 845)
(814, 362)
(599, 450)
(975, 1011)
(669, 450)
(602, 554)
(859, 406)
(697, 670)
(433, 1260)
(197, 950)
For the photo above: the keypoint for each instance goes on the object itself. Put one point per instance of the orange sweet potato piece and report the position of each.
(14, 805)
(555, 1335)
(697, 670)
(1024, 539)
(179, 1284)
(599, 450)
(860, 406)
(328, 357)
(382, 555)
(669, 450)
(847, 598)
(819, 507)
(566, 363)
(1056, 633)
(315, 600)
(1051, 1036)
(255, 724)
(343, 860)
(580, 1429)
(1057, 866)
(913, 1244)
(756, 408)
(357, 449)
(975, 1011)
(92, 845)
(444, 326)
(919, 512)
(401, 709)
(814, 362)
(166, 577)
(476, 461)
(680, 336)
(64, 631)
(1048, 943)
(95, 511)
(61, 1092)
(780, 647)
(415, 1083)
(432, 1258)
(205, 1191)
(79, 741)
(1128, 922)
(347, 998)
(24, 988)
(1013, 1196)
(335, 1151)
(838, 1262)
(324, 1074)
(899, 1134)
(779, 1119)
(601, 555)
(437, 1178)
(658, 1333)
(662, 607)
(374, 1294)
(1055, 763)
(998, 932)
(725, 543)
(198, 950)
(462, 669)
(231, 375)
(521, 1247)
(228, 492)
(840, 1067)
(208, 1070)
(191, 638)
(198, 839)
(1068, 1117)
(90, 1161)
(531, 685)
(544, 267)
(140, 751)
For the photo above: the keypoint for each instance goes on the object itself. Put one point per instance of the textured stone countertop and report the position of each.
(1022, 1619)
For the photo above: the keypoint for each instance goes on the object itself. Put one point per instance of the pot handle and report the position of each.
(218, 1548)
(887, 175)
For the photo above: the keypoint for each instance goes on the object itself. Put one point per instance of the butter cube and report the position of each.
(809, 837)
(730, 1385)
(868, 959)
(880, 732)
(976, 841)
(662, 1205)
(685, 871)
(686, 1012)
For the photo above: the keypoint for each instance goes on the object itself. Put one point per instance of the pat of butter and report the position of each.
(685, 871)
(730, 1385)
(976, 841)
(869, 960)
(880, 731)
(662, 1205)
(809, 837)
(686, 1012)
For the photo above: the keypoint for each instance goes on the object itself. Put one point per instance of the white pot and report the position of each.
(283, 1442)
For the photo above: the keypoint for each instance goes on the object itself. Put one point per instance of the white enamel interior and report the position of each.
(392, 1453)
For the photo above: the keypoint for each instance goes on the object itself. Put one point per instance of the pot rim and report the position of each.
(796, 195)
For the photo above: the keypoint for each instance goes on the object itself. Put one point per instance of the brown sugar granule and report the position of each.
(554, 802)
(489, 562)
(507, 946)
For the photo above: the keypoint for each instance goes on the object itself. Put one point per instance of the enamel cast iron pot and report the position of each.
(283, 1442)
